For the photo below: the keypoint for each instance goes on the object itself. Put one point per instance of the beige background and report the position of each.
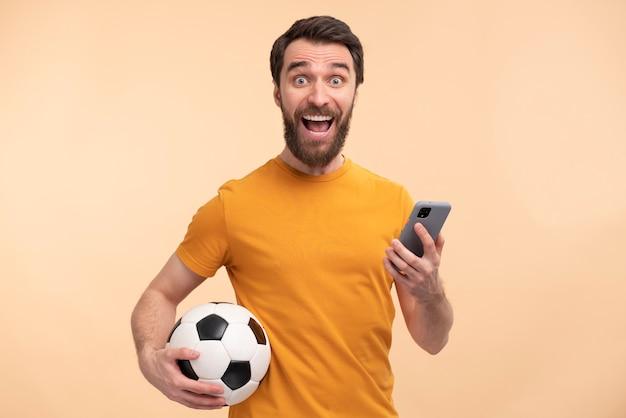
(118, 119)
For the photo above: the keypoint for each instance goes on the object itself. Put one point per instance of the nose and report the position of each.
(318, 95)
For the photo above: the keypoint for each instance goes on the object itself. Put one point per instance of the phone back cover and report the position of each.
(433, 223)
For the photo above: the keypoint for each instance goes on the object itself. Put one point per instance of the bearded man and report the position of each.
(308, 241)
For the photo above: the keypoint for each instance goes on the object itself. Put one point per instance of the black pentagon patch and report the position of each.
(185, 367)
(211, 327)
(217, 303)
(175, 326)
(258, 331)
(237, 374)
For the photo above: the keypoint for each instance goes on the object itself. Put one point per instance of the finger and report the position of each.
(394, 273)
(397, 261)
(196, 401)
(181, 353)
(427, 240)
(194, 406)
(406, 254)
(439, 244)
(201, 388)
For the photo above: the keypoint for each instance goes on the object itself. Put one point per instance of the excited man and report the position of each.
(308, 242)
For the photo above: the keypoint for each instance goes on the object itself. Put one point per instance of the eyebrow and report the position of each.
(299, 64)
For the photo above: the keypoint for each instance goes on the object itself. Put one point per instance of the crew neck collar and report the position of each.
(347, 163)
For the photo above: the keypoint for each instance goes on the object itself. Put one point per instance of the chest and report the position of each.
(314, 236)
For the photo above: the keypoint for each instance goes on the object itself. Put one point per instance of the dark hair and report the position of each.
(322, 29)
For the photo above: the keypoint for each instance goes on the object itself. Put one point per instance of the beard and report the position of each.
(311, 154)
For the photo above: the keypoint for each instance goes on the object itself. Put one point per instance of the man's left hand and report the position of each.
(418, 274)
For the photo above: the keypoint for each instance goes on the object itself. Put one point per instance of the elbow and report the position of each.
(433, 348)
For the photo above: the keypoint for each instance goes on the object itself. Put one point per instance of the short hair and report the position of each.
(318, 29)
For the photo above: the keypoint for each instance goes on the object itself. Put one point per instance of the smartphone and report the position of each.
(430, 214)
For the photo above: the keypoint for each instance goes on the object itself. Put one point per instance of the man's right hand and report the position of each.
(160, 368)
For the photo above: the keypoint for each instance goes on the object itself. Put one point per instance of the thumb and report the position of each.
(439, 243)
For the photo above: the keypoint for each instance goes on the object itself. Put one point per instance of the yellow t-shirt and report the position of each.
(305, 255)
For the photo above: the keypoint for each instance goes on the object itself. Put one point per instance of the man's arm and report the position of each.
(428, 323)
(426, 310)
(151, 322)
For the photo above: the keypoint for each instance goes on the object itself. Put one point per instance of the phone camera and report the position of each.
(423, 212)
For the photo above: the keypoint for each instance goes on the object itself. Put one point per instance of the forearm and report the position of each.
(151, 321)
(431, 324)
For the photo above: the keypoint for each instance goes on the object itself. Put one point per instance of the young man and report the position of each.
(305, 240)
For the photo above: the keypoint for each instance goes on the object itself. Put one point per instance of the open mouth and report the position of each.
(318, 124)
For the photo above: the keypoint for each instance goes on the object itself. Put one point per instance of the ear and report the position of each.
(276, 95)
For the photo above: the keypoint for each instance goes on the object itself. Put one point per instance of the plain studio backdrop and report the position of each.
(118, 119)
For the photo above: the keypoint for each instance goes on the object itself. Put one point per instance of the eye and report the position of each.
(299, 81)
(336, 81)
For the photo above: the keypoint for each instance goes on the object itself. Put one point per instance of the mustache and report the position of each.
(324, 111)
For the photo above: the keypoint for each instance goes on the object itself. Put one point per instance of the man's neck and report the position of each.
(293, 162)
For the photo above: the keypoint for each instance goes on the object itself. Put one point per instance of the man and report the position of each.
(305, 241)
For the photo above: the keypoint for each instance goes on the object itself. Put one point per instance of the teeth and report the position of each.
(317, 118)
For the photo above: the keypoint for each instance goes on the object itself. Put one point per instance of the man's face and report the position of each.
(316, 96)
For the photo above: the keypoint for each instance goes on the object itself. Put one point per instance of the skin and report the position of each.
(151, 322)
(427, 312)
(322, 82)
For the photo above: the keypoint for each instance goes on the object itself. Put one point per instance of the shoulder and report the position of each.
(249, 182)
(380, 183)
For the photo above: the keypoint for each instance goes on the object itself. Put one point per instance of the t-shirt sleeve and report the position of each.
(205, 246)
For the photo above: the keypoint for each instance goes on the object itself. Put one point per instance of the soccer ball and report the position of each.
(234, 349)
